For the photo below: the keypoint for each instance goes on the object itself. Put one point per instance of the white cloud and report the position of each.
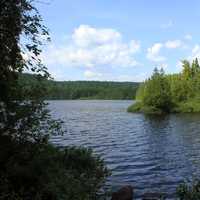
(173, 44)
(91, 47)
(188, 37)
(167, 25)
(93, 75)
(195, 52)
(153, 53)
(136, 78)
(85, 36)
(90, 74)
(179, 65)
(134, 46)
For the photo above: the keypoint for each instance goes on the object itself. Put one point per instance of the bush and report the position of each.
(136, 107)
(46, 172)
(139, 107)
(189, 191)
(189, 106)
(152, 110)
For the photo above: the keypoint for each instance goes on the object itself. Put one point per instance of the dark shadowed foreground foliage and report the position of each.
(45, 172)
(30, 167)
(190, 191)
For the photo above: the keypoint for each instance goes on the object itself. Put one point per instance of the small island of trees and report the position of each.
(174, 93)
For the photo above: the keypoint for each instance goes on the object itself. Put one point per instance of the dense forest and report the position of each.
(170, 93)
(82, 89)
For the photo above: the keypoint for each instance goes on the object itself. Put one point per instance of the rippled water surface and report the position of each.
(154, 154)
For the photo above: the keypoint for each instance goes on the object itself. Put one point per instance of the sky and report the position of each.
(119, 40)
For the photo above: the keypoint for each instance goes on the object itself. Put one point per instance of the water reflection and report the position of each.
(153, 153)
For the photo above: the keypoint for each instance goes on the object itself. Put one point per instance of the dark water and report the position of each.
(154, 154)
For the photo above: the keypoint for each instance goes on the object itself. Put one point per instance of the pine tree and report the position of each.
(187, 73)
(157, 92)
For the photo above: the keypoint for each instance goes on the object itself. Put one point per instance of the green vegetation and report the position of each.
(30, 167)
(190, 191)
(83, 89)
(45, 172)
(170, 93)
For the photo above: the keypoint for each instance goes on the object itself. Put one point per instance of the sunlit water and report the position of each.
(154, 154)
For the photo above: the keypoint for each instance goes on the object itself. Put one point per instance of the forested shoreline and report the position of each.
(82, 89)
(170, 93)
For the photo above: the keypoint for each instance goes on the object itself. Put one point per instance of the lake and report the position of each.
(154, 154)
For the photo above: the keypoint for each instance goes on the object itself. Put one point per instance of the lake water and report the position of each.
(154, 154)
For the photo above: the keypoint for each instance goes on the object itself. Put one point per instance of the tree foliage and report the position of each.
(171, 93)
(190, 191)
(82, 89)
(30, 167)
(20, 33)
(157, 91)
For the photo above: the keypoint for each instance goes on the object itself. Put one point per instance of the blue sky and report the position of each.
(119, 40)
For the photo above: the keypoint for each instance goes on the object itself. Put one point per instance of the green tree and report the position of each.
(30, 167)
(157, 92)
(20, 19)
(187, 71)
(171, 93)
(195, 67)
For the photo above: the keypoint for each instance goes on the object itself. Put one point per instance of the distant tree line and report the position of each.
(82, 89)
(170, 93)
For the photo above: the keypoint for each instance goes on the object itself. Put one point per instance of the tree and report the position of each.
(170, 93)
(20, 19)
(187, 72)
(195, 67)
(157, 92)
(30, 167)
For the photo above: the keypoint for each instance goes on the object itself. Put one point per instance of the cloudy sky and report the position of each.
(119, 40)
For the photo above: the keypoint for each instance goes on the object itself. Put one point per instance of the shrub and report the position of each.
(189, 106)
(189, 191)
(136, 107)
(46, 172)
(139, 107)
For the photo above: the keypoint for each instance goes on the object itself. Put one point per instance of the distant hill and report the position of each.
(84, 89)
